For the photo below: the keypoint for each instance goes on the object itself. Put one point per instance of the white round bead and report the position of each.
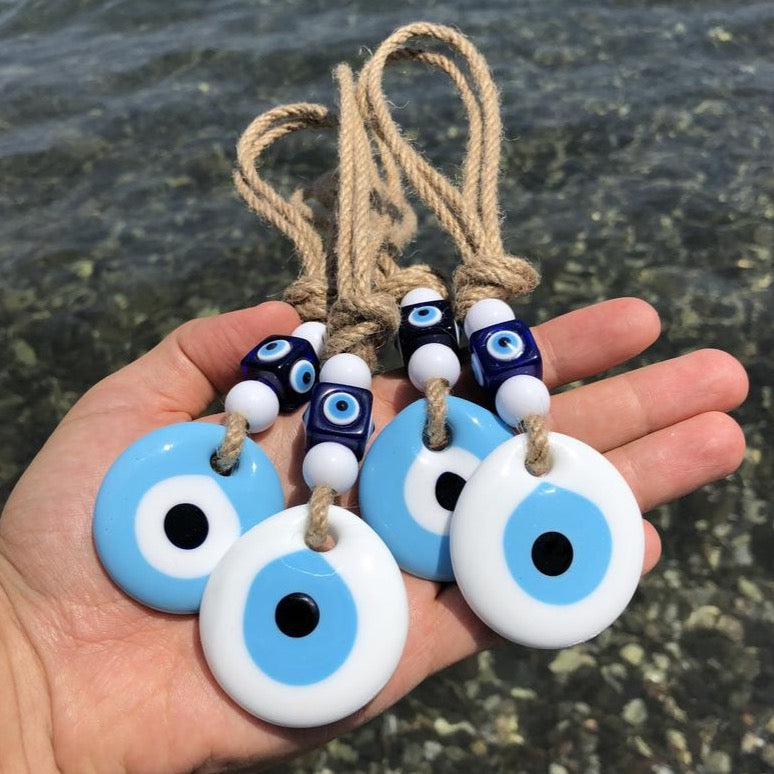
(433, 361)
(519, 397)
(486, 312)
(348, 369)
(256, 402)
(332, 464)
(314, 333)
(420, 296)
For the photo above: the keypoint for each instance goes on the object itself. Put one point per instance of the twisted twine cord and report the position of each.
(227, 454)
(309, 293)
(469, 213)
(373, 221)
(436, 432)
(538, 457)
(294, 218)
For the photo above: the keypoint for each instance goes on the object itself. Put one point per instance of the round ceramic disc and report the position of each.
(407, 491)
(547, 561)
(163, 517)
(298, 637)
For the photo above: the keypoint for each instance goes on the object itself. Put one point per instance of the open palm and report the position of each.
(103, 683)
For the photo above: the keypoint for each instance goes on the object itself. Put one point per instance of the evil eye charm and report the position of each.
(501, 351)
(428, 322)
(302, 638)
(547, 561)
(339, 413)
(287, 364)
(407, 491)
(163, 517)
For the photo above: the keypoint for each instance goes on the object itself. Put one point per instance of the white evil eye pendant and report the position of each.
(547, 561)
(407, 491)
(301, 638)
(163, 517)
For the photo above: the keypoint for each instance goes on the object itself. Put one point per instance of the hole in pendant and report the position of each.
(552, 553)
(186, 526)
(297, 615)
(448, 488)
(441, 447)
(221, 471)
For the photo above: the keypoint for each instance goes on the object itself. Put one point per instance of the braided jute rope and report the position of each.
(227, 454)
(469, 213)
(309, 293)
(364, 316)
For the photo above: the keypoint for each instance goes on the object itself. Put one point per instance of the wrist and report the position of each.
(25, 710)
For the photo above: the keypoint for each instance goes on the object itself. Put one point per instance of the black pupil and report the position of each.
(186, 526)
(424, 312)
(552, 553)
(297, 615)
(504, 342)
(306, 377)
(448, 488)
(272, 345)
(342, 405)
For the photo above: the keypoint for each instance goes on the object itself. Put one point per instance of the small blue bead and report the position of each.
(340, 413)
(288, 364)
(431, 322)
(504, 350)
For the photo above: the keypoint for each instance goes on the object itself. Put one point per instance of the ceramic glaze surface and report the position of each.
(548, 561)
(163, 517)
(301, 638)
(407, 491)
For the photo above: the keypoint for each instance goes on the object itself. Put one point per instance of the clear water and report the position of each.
(638, 161)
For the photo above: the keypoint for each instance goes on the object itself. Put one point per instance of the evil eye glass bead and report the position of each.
(425, 316)
(273, 350)
(163, 517)
(547, 561)
(302, 638)
(341, 408)
(505, 345)
(302, 376)
(407, 491)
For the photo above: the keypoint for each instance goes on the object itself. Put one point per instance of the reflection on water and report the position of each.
(637, 161)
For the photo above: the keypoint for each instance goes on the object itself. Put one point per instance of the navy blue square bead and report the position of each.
(501, 351)
(339, 413)
(431, 322)
(288, 364)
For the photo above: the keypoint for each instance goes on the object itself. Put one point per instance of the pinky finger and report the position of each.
(669, 463)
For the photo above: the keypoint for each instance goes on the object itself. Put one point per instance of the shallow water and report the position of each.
(638, 161)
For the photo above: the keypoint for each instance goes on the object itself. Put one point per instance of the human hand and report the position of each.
(98, 682)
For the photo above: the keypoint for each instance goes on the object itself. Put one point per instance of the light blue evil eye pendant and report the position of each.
(408, 491)
(302, 637)
(164, 517)
(550, 560)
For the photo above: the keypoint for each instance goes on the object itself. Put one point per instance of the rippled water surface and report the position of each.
(638, 160)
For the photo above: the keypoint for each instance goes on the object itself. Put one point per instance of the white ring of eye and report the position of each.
(222, 520)
(275, 353)
(419, 485)
(301, 388)
(492, 341)
(417, 321)
(496, 488)
(352, 404)
(364, 563)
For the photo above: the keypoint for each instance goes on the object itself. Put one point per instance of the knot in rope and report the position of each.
(362, 325)
(308, 296)
(497, 276)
